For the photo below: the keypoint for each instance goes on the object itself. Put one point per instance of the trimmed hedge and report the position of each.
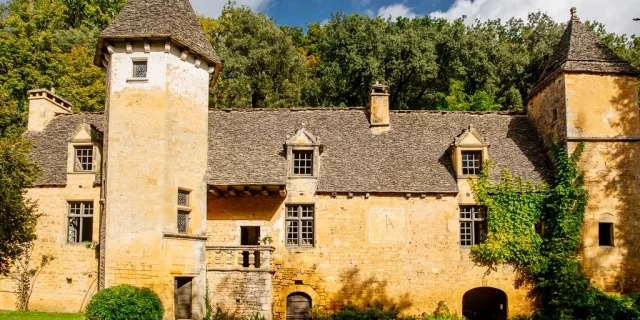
(125, 302)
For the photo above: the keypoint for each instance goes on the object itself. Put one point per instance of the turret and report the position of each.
(159, 66)
(588, 94)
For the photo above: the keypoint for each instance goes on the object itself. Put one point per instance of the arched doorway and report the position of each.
(485, 303)
(298, 306)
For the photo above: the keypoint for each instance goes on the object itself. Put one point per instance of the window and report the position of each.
(140, 69)
(84, 159)
(299, 222)
(183, 215)
(80, 222)
(605, 234)
(471, 162)
(303, 163)
(473, 225)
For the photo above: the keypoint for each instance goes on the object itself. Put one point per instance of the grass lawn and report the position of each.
(39, 315)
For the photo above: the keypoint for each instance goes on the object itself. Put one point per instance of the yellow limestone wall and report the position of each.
(355, 259)
(74, 261)
(157, 143)
(602, 112)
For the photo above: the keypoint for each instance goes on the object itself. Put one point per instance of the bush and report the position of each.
(125, 302)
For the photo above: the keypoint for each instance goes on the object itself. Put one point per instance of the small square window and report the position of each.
(471, 162)
(140, 69)
(183, 198)
(605, 234)
(83, 159)
(303, 163)
(183, 221)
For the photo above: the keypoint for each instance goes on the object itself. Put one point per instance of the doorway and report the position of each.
(250, 236)
(182, 296)
(484, 303)
(298, 306)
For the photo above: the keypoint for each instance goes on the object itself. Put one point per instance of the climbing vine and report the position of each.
(536, 229)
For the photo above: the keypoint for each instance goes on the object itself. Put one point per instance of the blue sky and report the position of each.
(615, 14)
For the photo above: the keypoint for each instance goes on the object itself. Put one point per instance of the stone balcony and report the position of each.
(240, 258)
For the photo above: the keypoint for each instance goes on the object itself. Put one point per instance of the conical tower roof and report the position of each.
(580, 50)
(156, 19)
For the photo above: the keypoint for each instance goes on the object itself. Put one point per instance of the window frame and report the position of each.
(183, 210)
(473, 223)
(299, 219)
(81, 216)
(307, 167)
(477, 170)
(136, 61)
(78, 165)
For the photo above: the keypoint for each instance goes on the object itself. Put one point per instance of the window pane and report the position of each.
(307, 211)
(183, 198)
(292, 212)
(465, 212)
(292, 232)
(139, 69)
(183, 218)
(303, 163)
(471, 162)
(307, 232)
(465, 233)
(84, 159)
(88, 209)
(74, 230)
(87, 229)
(75, 208)
(480, 232)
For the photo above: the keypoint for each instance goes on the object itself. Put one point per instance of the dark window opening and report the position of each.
(300, 228)
(84, 159)
(471, 162)
(605, 234)
(250, 236)
(303, 163)
(473, 225)
(80, 222)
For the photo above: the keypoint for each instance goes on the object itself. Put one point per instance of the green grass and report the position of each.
(15, 315)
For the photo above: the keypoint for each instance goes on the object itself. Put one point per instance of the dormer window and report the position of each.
(303, 163)
(471, 162)
(468, 152)
(140, 69)
(83, 159)
(303, 152)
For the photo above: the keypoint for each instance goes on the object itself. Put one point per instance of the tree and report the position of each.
(261, 66)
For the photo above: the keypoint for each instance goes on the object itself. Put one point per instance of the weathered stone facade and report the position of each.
(332, 206)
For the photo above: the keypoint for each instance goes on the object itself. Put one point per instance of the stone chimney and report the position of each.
(379, 108)
(44, 105)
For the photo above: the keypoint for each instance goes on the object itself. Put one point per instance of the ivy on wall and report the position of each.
(536, 229)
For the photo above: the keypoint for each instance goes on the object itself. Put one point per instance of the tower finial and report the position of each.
(574, 14)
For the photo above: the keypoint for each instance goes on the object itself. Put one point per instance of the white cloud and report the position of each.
(213, 8)
(396, 10)
(616, 15)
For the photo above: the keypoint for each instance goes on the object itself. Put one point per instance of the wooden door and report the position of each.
(182, 296)
(298, 306)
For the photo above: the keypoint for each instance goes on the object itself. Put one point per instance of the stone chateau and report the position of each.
(276, 211)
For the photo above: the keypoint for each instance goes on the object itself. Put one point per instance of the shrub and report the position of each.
(125, 302)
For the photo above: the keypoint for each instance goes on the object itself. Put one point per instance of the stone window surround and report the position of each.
(133, 78)
(458, 159)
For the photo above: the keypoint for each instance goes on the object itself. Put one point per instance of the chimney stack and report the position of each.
(44, 105)
(379, 108)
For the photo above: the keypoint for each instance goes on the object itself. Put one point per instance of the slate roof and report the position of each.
(173, 19)
(50, 147)
(246, 147)
(580, 50)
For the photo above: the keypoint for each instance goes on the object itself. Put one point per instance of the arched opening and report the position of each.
(298, 306)
(485, 304)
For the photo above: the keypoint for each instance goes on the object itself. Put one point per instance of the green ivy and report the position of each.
(546, 256)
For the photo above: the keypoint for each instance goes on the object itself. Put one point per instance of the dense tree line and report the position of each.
(428, 63)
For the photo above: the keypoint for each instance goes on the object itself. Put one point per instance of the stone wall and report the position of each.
(242, 293)
(356, 259)
(69, 282)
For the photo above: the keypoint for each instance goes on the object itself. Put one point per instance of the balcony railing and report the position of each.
(239, 258)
